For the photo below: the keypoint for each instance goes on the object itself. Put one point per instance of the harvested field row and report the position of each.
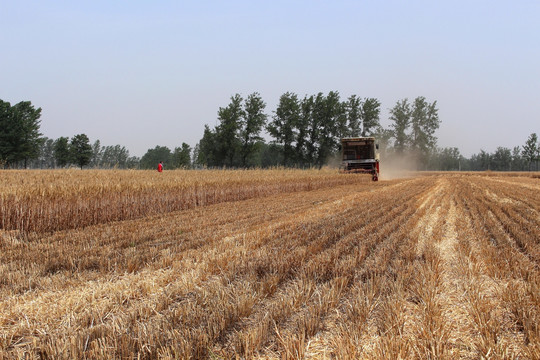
(438, 267)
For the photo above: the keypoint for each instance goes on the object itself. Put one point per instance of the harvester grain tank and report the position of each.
(360, 155)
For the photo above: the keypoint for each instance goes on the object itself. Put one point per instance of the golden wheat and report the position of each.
(268, 264)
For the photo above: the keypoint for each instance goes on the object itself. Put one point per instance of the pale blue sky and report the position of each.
(142, 73)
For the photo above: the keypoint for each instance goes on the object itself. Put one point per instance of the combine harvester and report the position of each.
(360, 155)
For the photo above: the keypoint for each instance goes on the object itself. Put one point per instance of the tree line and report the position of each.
(304, 132)
(78, 151)
(519, 158)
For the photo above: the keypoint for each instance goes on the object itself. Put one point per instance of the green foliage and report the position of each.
(6, 133)
(207, 149)
(235, 141)
(307, 131)
(413, 129)
(501, 160)
(326, 117)
(46, 154)
(313, 130)
(447, 159)
(133, 162)
(61, 151)
(400, 115)
(269, 155)
(80, 150)
(181, 157)
(517, 159)
(97, 154)
(302, 130)
(113, 156)
(340, 121)
(20, 139)
(283, 124)
(484, 159)
(152, 157)
(108, 157)
(227, 132)
(353, 107)
(252, 123)
(371, 109)
(531, 150)
(424, 122)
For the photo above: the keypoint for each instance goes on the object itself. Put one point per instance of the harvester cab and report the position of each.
(360, 155)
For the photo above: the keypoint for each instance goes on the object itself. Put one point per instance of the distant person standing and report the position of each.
(160, 166)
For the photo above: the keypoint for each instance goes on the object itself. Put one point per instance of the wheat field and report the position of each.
(268, 264)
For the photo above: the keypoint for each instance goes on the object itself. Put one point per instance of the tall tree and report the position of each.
(181, 157)
(47, 154)
(447, 159)
(30, 137)
(152, 157)
(97, 153)
(501, 159)
(107, 157)
(424, 122)
(20, 139)
(122, 155)
(61, 151)
(207, 148)
(340, 120)
(531, 151)
(328, 111)
(227, 131)
(302, 130)
(517, 160)
(353, 108)
(6, 134)
(314, 129)
(484, 159)
(282, 127)
(114, 156)
(81, 150)
(371, 109)
(133, 162)
(400, 115)
(252, 123)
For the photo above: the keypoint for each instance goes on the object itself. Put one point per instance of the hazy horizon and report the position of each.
(144, 74)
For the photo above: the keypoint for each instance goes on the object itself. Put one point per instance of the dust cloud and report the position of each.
(398, 166)
(333, 161)
(390, 167)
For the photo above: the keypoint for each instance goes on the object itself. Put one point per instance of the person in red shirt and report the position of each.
(160, 166)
